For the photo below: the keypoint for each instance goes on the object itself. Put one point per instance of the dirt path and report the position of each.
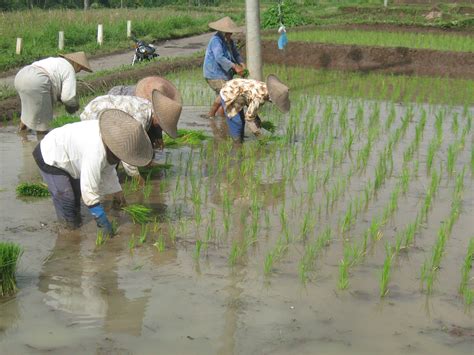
(172, 48)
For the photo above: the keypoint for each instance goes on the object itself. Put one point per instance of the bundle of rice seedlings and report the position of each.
(62, 120)
(9, 255)
(186, 137)
(32, 189)
(139, 213)
(154, 169)
(269, 126)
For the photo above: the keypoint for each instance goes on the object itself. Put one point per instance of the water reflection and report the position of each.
(9, 314)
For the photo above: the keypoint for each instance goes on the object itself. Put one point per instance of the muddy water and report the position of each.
(78, 298)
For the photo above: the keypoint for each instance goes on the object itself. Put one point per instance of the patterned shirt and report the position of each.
(137, 107)
(238, 93)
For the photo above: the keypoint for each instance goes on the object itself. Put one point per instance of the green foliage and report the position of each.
(32, 189)
(291, 15)
(9, 255)
(63, 120)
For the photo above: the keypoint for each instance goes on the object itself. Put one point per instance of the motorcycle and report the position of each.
(143, 51)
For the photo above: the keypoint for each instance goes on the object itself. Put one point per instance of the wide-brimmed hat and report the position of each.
(226, 25)
(125, 137)
(78, 58)
(166, 101)
(279, 93)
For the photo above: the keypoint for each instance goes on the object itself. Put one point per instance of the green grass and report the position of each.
(62, 120)
(32, 189)
(442, 42)
(39, 30)
(9, 255)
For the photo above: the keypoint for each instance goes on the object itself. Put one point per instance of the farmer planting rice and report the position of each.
(222, 60)
(43, 83)
(157, 106)
(239, 93)
(79, 159)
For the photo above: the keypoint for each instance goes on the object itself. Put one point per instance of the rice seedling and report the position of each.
(185, 137)
(9, 256)
(143, 234)
(343, 281)
(269, 126)
(131, 184)
(160, 243)
(140, 214)
(197, 249)
(385, 273)
(155, 169)
(465, 273)
(63, 120)
(147, 188)
(32, 189)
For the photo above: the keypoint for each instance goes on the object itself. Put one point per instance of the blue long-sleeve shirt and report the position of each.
(220, 58)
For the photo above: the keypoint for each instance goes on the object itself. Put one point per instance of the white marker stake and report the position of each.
(129, 29)
(100, 35)
(19, 45)
(61, 40)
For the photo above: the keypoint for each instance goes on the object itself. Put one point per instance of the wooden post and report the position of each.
(100, 35)
(129, 29)
(61, 40)
(19, 45)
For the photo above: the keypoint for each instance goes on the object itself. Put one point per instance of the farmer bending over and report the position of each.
(43, 83)
(222, 60)
(79, 159)
(157, 107)
(239, 93)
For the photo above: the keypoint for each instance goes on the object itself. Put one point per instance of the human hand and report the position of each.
(239, 69)
(102, 220)
(159, 143)
(118, 200)
(72, 108)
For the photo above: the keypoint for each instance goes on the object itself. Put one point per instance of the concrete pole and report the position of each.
(100, 34)
(129, 29)
(19, 45)
(254, 46)
(385, 3)
(61, 40)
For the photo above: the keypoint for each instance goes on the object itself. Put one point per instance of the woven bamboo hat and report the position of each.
(166, 101)
(125, 137)
(226, 25)
(78, 58)
(279, 93)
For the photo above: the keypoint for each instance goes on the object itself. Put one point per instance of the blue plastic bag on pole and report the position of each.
(283, 39)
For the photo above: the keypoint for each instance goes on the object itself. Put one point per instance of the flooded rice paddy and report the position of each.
(273, 247)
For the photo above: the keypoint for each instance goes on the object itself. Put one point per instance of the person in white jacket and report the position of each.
(79, 160)
(45, 82)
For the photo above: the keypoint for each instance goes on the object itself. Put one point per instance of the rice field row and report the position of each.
(441, 42)
(346, 185)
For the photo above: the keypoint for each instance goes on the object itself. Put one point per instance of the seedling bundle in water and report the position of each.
(9, 255)
(32, 189)
(186, 137)
(140, 214)
(63, 120)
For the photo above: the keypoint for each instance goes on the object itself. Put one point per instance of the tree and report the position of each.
(86, 4)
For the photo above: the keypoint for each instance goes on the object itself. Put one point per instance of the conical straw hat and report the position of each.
(226, 25)
(168, 112)
(166, 101)
(78, 58)
(125, 137)
(279, 93)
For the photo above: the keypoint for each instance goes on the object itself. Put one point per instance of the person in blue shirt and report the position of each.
(222, 60)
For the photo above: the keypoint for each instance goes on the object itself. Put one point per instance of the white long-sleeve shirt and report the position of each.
(78, 149)
(63, 78)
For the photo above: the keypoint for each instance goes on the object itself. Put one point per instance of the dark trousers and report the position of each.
(66, 193)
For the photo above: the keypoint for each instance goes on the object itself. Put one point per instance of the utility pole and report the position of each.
(254, 46)
(86, 4)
